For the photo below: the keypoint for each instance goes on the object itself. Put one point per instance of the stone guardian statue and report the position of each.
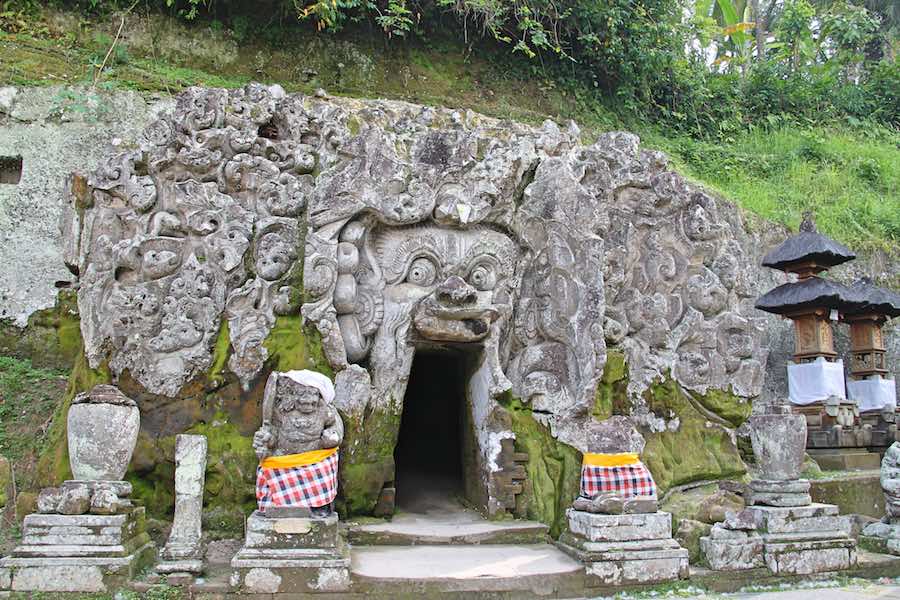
(297, 445)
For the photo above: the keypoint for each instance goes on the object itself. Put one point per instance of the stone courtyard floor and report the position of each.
(855, 589)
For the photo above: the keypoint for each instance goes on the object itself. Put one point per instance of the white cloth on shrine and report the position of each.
(815, 381)
(873, 394)
(313, 379)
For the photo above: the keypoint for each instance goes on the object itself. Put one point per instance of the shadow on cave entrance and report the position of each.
(428, 455)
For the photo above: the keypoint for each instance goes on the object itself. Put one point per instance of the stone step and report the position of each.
(526, 569)
(415, 529)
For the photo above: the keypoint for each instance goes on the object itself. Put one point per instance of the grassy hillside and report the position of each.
(848, 173)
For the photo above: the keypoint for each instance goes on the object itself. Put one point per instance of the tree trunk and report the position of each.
(760, 30)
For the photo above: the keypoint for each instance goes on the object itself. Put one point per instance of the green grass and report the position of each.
(28, 397)
(849, 176)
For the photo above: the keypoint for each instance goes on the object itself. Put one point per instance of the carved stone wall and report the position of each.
(412, 227)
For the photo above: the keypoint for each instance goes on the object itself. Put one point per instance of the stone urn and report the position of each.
(779, 442)
(102, 430)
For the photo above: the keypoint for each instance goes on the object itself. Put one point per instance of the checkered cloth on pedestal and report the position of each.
(309, 485)
(626, 480)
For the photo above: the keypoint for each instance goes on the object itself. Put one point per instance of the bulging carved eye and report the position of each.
(482, 278)
(422, 272)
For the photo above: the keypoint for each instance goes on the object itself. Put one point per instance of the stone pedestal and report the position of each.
(768, 492)
(183, 552)
(291, 555)
(625, 549)
(787, 540)
(78, 553)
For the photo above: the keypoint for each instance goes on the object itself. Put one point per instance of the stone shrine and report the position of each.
(615, 528)
(292, 542)
(87, 536)
(781, 528)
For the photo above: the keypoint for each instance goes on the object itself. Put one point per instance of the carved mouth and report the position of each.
(454, 324)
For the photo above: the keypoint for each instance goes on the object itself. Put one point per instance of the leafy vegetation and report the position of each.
(776, 135)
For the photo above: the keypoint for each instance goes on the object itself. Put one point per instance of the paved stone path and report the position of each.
(862, 591)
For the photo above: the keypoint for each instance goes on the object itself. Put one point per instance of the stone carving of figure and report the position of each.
(613, 479)
(297, 445)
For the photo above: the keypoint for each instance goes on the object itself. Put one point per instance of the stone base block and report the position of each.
(290, 571)
(628, 563)
(194, 566)
(810, 556)
(779, 493)
(291, 532)
(291, 555)
(788, 540)
(78, 553)
(849, 459)
(73, 574)
(733, 553)
(616, 528)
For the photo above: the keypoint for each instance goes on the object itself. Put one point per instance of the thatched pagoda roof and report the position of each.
(813, 292)
(869, 298)
(808, 246)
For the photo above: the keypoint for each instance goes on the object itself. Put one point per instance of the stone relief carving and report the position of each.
(416, 227)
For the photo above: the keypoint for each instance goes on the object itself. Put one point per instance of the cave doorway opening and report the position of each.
(433, 439)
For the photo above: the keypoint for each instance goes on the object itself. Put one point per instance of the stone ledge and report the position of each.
(619, 528)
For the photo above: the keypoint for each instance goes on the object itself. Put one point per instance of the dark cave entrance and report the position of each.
(429, 455)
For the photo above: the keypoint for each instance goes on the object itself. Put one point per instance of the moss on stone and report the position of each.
(230, 469)
(367, 458)
(553, 468)
(221, 351)
(294, 345)
(52, 337)
(611, 397)
(695, 450)
(726, 404)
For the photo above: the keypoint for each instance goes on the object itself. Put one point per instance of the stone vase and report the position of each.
(779, 443)
(103, 427)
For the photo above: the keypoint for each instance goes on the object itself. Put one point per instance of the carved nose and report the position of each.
(457, 292)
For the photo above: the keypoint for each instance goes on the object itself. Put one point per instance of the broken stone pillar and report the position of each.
(292, 543)
(615, 528)
(885, 536)
(781, 528)
(183, 552)
(87, 536)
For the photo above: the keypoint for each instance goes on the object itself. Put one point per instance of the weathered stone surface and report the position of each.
(74, 500)
(102, 431)
(779, 443)
(190, 470)
(291, 532)
(688, 537)
(887, 532)
(55, 130)
(423, 227)
(613, 528)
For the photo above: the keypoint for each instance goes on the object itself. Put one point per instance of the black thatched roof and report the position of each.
(808, 245)
(813, 292)
(869, 298)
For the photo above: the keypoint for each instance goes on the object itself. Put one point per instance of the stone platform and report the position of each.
(78, 553)
(798, 540)
(625, 549)
(291, 555)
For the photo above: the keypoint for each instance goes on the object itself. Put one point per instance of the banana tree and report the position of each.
(733, 19)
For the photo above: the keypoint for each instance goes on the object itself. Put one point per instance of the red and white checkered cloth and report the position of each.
(310, 485)
(627, 480)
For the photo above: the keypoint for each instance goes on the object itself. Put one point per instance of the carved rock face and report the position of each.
(457, 281)
(423, 227)
(298, 417)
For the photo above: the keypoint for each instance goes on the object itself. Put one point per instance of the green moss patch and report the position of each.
(367, 458)
(553, 468)
(611, 397)
(697, 450)
(52, 338)
(294, 345)
(726, 404)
